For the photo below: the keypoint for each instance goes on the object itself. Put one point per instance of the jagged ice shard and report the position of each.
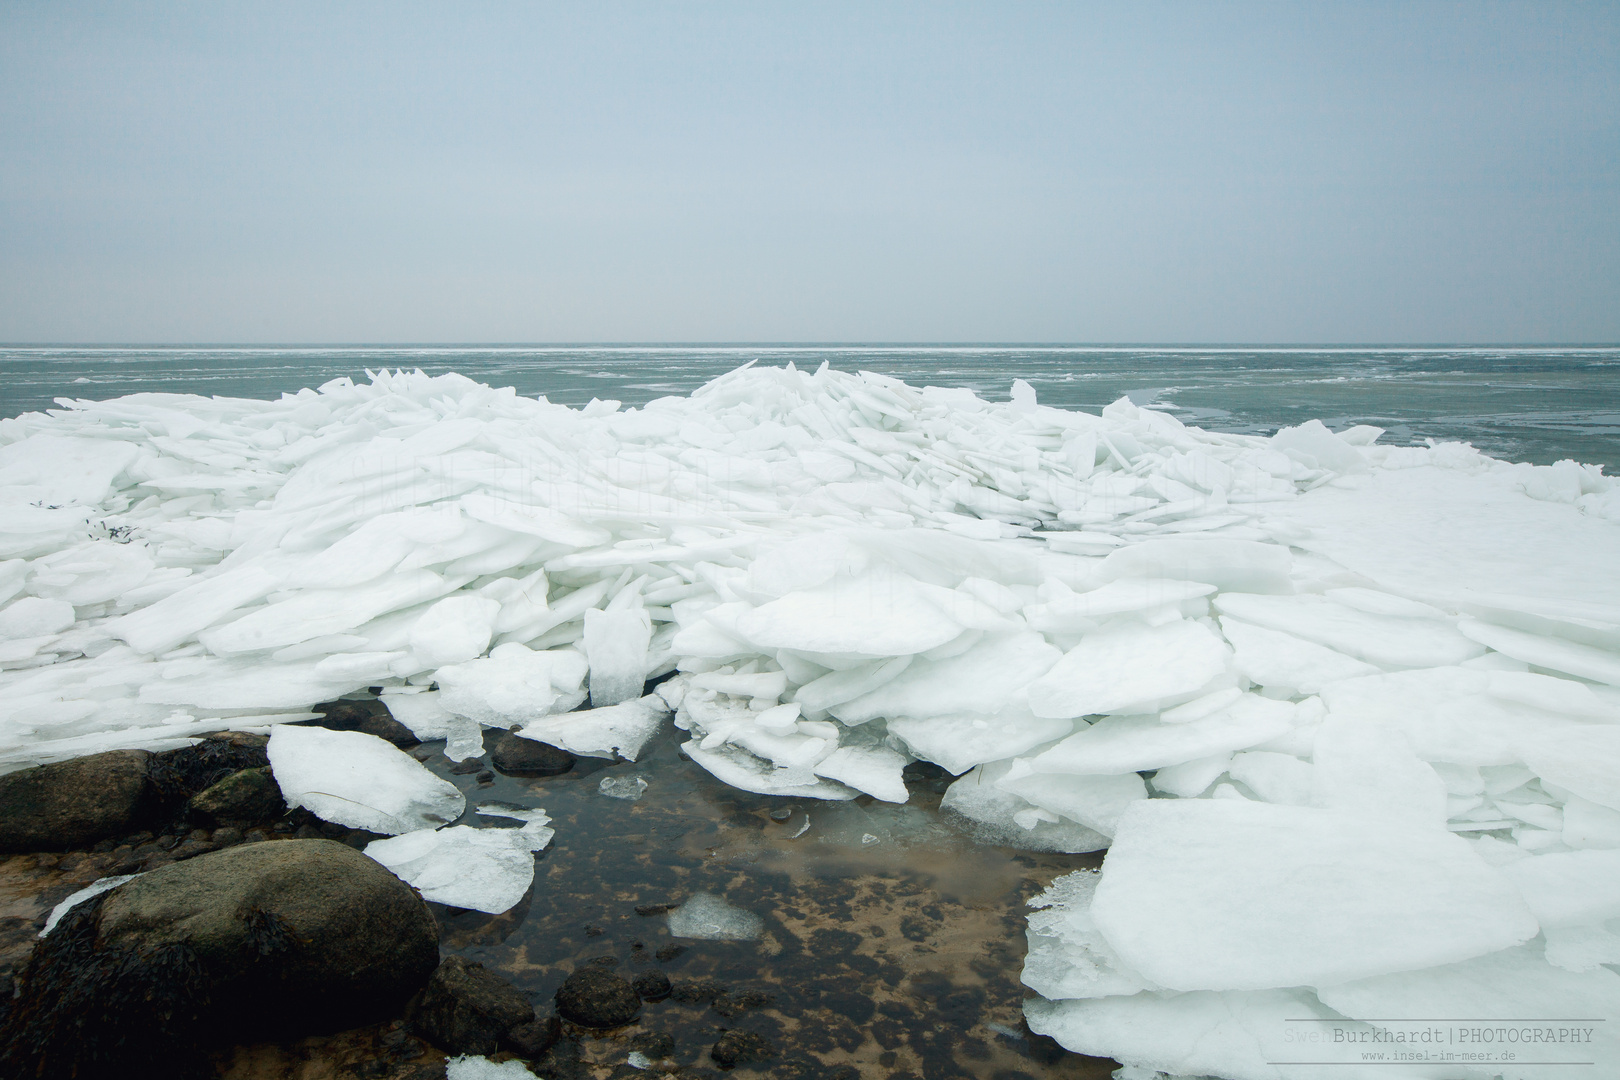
(1278, 676)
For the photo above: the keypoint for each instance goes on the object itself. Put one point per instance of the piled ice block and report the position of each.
(1348, 714)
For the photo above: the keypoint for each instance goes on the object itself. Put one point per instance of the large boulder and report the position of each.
(467, 1010)
(264, 940)
(75, 804)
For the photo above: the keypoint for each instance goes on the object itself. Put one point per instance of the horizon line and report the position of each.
(765, 344)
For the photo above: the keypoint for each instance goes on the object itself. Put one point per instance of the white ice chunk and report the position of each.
(1366, 766)
(739, 768)
(616, 648)
(32, 617)
(1131, 668)
(878, 614)
(53, 469)
(454, 630)
(1121, 744)
(1068, 957)
(1569, 888)
(1581, 948)
(1273, 777)
(513, 684)
(1235, 1035)
(476, 1067)
(980, 680)
(1282, 661)
(73, 900)
(957, 743)
(1512, 985)
(421, 712)
(1389, 641)
(1588, 825)
(359, 780)
(709, 917)
(1315, 447)
(487, 869)
(997, 816)
(1558, 654)
(616, 730)
(1244, 565)
(837, 687)
(1194, 891)
(1078, 612)
(1583, 758)
(318, 612)
(1191, 778)
(1094, 801)
(874, 769)
(1446, 714)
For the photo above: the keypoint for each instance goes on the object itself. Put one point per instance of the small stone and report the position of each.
(741, 1048)
(468, 767)
(226, 837)
(655, 909)
(733, 1003)
(192, 848)
(517, 756)
(596, 998)
(655, 1044)
(697, 991)
(486, 777)
(465, 1009)
(534, 1038)
(651, 985)
(255, 836)
(666, 953)
(780, 814)
(594, 931)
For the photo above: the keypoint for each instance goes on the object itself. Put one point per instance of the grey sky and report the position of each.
(283, 172)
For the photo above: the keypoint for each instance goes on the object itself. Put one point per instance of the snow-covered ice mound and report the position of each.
(1347, 714)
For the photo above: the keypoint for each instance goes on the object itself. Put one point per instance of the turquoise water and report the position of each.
(1526, 404)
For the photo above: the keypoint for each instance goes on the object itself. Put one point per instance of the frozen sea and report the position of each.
(1536, 404)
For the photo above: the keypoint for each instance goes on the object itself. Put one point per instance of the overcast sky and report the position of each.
(286, 172)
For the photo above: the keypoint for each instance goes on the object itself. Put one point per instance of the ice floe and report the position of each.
(1347, 715)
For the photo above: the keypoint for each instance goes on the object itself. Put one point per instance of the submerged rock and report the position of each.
(465, 1009)
(260, 940)
(651, 985)
(741, 1048)
(596, 998)
(74, 804)
(534, 1038)
(517, 756)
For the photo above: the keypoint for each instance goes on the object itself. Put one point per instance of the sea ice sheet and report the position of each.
(1193, 893)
